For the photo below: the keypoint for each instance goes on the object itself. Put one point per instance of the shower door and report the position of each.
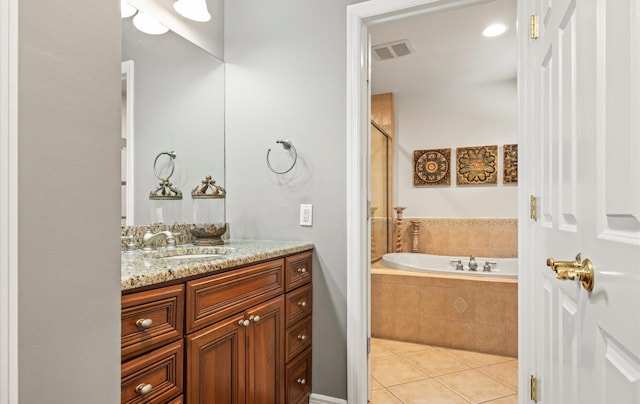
(380, 208)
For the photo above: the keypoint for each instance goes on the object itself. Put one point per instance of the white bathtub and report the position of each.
(503, 267)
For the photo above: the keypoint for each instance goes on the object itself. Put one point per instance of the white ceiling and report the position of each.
(450, 49)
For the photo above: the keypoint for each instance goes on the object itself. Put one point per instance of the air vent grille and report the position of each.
(392, 50)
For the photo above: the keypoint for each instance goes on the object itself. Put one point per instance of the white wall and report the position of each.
(286, 78)
(69, 201)
(178, 106)
(471, 115)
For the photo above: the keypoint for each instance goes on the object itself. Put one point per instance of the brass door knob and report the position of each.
(574, 270)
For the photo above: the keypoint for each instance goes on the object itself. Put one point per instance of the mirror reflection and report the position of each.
(173, 101)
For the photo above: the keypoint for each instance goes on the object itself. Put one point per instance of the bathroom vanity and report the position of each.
(225, 325)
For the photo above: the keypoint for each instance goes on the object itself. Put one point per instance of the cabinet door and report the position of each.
(265, 353)
(216, 363)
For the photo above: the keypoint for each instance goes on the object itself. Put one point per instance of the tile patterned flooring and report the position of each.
(408, 373)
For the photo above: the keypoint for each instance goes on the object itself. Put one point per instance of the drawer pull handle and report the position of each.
(302, 337)
(302, 304)
(244, 323)
(301, 380)
(144, 389)
(302, 270)
(144, 323)
(255, 319)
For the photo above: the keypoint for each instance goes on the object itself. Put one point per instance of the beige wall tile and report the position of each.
(461, 304)
(382, 324)
(490, 306)
(406, 327)
(461, 334)
(382, 297)
(433, 331)
(491, 338)
(433, 302)
(511, 343)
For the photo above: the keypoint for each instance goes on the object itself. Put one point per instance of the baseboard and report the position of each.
(318, 399)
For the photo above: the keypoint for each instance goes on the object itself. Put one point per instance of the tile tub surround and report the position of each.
(138, 269)
(451, 311)
(483, 237)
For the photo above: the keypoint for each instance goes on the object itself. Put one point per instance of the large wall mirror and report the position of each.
(173, 101)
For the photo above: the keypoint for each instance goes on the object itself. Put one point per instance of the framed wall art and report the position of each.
(510, 164)
(432, 167)
(477, 165)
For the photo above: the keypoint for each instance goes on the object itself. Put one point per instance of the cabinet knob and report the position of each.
(244, 323)
(255, 319)
(144, 323)
(302, 337)
(302, 270)
(302, 304)
(301, 380)
(144, 389)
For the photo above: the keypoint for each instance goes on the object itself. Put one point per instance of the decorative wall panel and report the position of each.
(432, 167)
(477, 165)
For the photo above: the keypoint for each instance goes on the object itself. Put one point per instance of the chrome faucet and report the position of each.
(473, 265)
(149, 239)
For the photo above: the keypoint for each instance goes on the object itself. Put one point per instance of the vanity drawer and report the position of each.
(177, 400)
(219, 296)
(298, 338)
(159, 371)
(151, 319)
(298, 304)
(298, 379)
(298, 270)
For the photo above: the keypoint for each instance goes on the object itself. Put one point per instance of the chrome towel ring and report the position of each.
(287, 146)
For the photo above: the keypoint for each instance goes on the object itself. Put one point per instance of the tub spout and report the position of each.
(473, 265)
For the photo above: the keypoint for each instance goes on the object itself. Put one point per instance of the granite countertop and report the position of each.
(144, 268)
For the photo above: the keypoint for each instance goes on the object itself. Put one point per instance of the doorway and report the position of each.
(362, 18)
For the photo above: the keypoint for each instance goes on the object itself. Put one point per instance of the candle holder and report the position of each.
(399, 210)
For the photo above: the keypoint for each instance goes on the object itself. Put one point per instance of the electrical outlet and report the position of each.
(306, 215)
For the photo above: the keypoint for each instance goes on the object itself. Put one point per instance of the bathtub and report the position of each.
(503, 267)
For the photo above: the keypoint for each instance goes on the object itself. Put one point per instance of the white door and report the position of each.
(582, 161)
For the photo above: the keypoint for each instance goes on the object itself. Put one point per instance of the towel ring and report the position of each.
(172, 156)
(287, 146)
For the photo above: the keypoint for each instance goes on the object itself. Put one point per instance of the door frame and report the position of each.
(359, 17)
(8, 201)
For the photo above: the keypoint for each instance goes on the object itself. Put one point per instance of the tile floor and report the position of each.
(407, 373)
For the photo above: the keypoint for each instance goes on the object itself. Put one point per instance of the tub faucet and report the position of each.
(473, 265)
(149, 239)
(458, 263)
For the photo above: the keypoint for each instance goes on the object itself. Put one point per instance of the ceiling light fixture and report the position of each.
(195, 10)
(126, 10)
(148, 25)
(494, 30)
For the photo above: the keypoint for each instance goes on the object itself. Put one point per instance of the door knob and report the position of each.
(574, 270)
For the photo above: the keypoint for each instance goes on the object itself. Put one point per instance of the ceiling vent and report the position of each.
(392, 50)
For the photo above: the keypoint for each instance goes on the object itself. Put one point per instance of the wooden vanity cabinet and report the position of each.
(247, 336)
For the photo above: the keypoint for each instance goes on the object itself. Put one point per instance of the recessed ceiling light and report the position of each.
(494, 30)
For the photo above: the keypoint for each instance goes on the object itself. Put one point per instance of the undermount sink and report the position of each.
(191, 252)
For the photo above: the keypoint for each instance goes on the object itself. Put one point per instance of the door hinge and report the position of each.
(533, 26)
(368, 345)
(533, 389)
(533, 206)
